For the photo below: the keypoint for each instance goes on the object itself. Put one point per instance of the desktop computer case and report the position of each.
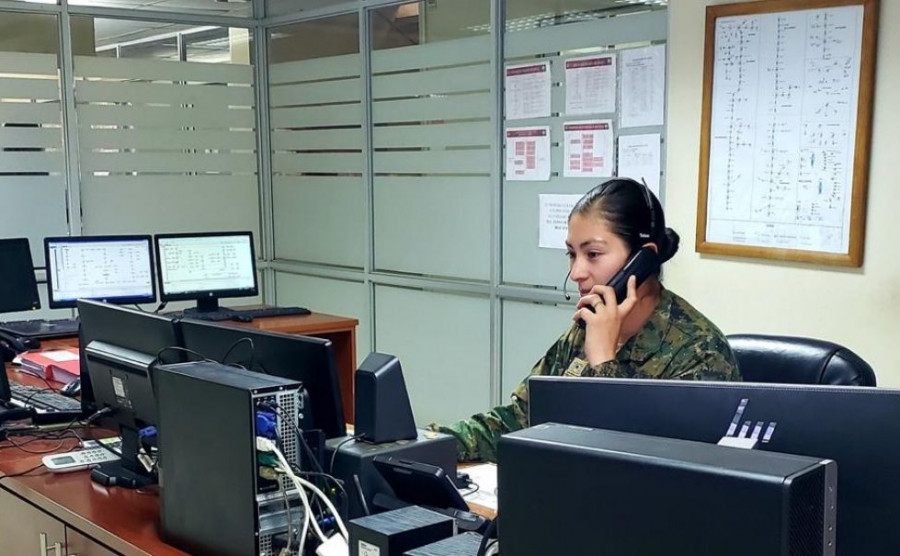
(580, 491)
(211, 498)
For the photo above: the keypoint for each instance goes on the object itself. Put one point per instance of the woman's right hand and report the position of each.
(603, 317)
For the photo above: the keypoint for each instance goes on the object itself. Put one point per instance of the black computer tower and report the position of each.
(580, 491)
(212, 499)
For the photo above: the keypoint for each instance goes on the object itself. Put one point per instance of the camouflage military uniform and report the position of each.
(677, 342)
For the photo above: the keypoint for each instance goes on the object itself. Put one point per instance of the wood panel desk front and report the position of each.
(41, 510)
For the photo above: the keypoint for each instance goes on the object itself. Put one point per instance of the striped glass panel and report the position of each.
(154, 130)
(432, 106)
(32, 161)
(316, 114)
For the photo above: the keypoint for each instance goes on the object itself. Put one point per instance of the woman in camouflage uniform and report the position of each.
(652, 333)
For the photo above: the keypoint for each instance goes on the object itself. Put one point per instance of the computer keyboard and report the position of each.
(41, 328)
(42, 398)
(247, 314)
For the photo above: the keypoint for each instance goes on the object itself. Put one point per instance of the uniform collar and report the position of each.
(647, 342)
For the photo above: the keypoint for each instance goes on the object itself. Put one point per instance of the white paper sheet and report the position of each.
(527, 91)
(643, 86)
(591, 84)
(639, 159)
(485, 476)
(588, 151)
(528, 153)
(60, 356)
(554, 219)
(782, 129)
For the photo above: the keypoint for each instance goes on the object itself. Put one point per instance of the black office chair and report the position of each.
(795, 360)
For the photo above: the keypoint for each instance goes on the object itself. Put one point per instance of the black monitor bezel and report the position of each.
(27, 304)
(120, 300)
(200, 295)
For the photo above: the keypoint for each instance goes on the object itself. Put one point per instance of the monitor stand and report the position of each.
(127, 472)
(205, 305)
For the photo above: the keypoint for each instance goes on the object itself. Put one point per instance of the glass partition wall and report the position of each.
(363, 141)
(390, 197)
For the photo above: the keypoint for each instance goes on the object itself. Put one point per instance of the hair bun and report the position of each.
(669, 245)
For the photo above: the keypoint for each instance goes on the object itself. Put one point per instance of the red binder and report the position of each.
(61, 365)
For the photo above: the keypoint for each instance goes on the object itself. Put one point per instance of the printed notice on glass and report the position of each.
(588, 149)
(643, 86)
(554, 219)
(591, 85)
(639, 159)
(782, 142)
(528, 153)
(527, 91)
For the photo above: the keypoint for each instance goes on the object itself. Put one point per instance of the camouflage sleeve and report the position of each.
(707, 359)
(476, 437)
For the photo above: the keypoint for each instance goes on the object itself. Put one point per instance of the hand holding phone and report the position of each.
(641, 265)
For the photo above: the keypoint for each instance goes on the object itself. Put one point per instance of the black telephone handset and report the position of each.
(12, 345)
(641, 265)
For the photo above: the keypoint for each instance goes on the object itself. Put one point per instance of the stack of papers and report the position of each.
(485, 476)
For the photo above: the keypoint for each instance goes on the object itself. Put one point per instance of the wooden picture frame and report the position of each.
(806, 159)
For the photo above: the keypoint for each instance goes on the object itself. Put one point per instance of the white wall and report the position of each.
(859, 308)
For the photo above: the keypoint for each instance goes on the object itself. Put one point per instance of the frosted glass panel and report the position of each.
(32, 162)
(144, 204)
(439, 226)
(443, 343)
(152, 131)
(315, 94)
(320, 219)
(529, 329)
(432, 136)
(335, 297)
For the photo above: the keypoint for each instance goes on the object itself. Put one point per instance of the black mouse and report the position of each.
(242, 318)
(72, 388)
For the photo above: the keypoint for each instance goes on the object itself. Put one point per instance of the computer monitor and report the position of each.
(119, 350)
(855, 426)
(18, 286)
(205, 267)
(301, 358)
(115, 269)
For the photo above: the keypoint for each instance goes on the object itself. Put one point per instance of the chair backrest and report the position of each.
(795, 360)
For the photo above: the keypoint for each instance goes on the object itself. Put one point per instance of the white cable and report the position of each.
(300, 482)
(331, 508)
(309, 518)
(265, 445)
(304, 530)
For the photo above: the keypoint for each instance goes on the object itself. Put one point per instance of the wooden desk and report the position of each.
(87, 519)
(68, 509)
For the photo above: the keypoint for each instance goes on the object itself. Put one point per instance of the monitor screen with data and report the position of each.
(206, 267)
(114, 269)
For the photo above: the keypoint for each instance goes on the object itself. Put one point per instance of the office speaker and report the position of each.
(381, 403)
